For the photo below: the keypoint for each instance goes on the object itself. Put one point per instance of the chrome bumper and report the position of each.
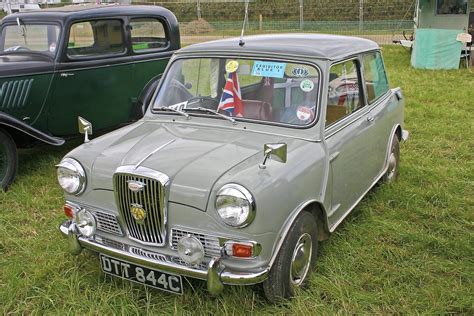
(216, 273)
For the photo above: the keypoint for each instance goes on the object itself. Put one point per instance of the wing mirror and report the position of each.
(277, 152)
(85, 127)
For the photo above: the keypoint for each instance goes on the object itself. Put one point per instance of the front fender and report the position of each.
(12, 122)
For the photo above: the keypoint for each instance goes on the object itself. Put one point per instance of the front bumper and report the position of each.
(216, 273)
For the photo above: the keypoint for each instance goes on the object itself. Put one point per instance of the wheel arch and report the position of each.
(145, 96)
(315, 208)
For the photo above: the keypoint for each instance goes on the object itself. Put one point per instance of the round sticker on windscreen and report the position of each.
(232, 66)
(52, 47)
(304, 114)
(306, 85)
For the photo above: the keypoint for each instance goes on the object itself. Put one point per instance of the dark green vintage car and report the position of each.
(98, 62)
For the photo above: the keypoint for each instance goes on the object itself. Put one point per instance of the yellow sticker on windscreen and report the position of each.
(232, 66)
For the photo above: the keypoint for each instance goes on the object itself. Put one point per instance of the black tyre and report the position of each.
(295, 260)
(8, 160)
(393, 161)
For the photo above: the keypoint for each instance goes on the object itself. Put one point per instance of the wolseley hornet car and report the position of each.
(98, 62)
(248, 156)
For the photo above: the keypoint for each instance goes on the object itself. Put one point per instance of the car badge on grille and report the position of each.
(138, 212)
(135, 186)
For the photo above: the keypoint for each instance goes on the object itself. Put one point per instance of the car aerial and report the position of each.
(98, 62)
(247, 157)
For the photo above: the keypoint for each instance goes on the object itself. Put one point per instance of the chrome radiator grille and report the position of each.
(151, 199)
(210, 243)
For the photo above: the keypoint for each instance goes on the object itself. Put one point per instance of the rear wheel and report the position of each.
(8, 160)
(393, 161)
(295, 260)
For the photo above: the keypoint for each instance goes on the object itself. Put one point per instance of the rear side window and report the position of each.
(375, 77)
(343, 95)
(148, 34)
(95, 38)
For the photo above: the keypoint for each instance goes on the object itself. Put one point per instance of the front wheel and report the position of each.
(295, 260)
(8, 160)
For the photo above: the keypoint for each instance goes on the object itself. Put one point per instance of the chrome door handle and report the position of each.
(66, 74)
(370, 118)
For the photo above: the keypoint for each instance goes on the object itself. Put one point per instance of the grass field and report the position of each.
(407, 248)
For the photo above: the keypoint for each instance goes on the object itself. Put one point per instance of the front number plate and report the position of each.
(150, 277)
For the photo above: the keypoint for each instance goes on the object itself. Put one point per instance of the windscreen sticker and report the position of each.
(232, 66)
(304, 114)
(268, 69)
(300, 72)
(307, 85)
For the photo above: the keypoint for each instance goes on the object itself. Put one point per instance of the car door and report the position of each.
(348, 139)
(380, 102)
(94, 77)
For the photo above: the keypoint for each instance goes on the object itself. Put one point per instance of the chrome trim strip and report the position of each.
(226, 276)
(153, 152)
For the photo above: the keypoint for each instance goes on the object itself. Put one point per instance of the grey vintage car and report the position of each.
(249, 155)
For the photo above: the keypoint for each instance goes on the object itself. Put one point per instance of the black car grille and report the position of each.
(150, 230)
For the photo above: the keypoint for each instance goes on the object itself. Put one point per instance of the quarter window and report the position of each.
(376, 83)
(148, 35)
(343, 96)
(95, 38)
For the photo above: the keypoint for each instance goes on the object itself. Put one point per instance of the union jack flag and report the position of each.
(231, 100)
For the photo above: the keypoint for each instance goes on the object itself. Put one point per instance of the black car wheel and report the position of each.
(295, 260)
(8, 160)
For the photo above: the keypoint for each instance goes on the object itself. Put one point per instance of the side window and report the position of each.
(148, 34)
(343, 95)
(95, 38)
(451, 6)
(376, 83)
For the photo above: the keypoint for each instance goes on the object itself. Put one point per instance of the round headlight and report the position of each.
(85, 223)
(235, 205)
(71, 176)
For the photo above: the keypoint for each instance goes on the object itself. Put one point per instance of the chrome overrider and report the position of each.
(216, 274)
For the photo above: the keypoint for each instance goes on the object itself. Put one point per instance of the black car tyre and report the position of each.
(295, 260)
(8, 160)
(393, 161)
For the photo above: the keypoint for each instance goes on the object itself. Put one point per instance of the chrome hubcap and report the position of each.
(392, 166)
(301, 259)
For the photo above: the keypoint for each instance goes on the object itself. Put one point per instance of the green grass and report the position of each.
(407, 248)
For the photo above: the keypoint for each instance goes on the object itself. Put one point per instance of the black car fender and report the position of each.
(14, 123)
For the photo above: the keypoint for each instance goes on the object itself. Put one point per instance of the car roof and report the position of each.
(321, 46)
(88, 11)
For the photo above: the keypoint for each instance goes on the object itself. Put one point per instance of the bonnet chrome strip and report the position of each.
(153, 152)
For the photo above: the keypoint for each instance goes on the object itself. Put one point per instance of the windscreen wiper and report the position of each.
(165, 108)
(213, 112)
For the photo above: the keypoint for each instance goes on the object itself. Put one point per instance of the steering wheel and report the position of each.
(17, 49)
(180, 93)
(204, 100)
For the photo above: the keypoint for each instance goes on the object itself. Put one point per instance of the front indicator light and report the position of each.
(242, 249)
(69, 211)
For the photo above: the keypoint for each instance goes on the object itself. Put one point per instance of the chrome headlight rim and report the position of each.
(230, 190)
(77, 169)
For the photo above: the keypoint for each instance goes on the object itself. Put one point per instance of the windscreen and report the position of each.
(39, 38)
(268, 91)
